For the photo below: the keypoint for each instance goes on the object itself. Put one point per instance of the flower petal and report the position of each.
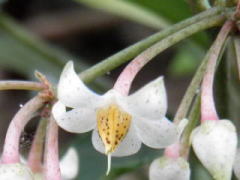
(215, 144)
(78, 120)
(169, 169)
(69, 164)
(156, 134)
(130, 144)
(72, 91)
(97, 142)
(150, 101)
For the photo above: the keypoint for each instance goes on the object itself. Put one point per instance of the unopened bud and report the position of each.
(166, 168)
(215, 143)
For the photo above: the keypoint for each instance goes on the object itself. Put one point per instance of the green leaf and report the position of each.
(23, 52)
(174, 10)
(130, 11)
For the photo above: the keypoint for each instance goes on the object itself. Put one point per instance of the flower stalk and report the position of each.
(208, 109)
(21, 85)
(11, 146)
(194, 117)
(36, 152)
(51, 159)
(124, 81)
(206, 19)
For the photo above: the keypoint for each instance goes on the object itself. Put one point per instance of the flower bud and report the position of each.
(15, 171)
(166, 168)
(215, 143)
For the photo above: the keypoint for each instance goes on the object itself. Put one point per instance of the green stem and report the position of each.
(191, 93)
(21, 85)
(194, 117)
(124, 81)
(132, 51)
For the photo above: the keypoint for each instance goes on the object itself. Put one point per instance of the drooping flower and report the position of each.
(215, 144)
(215, 140)
(120, 123)
(166, 168)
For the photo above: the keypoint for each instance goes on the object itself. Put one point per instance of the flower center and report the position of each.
(113, 125)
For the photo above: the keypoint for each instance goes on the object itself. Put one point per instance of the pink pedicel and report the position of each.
(36, 152)
(11, 145)
(208, 109)
(172, 151)
(51, 158)
(125, 79)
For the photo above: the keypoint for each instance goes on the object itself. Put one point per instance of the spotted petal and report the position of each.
(156, 133)
(78, 120)
(71, 90)
(69, 164)
(150, 101)
(130, 144)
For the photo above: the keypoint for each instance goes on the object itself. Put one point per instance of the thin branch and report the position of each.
(21, 85)
(194, 117)
(125, 79)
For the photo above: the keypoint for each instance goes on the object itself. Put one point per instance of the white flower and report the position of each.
(119, 123)
(15, 171)
(215, 143)
(236, 166)
(166, 168)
